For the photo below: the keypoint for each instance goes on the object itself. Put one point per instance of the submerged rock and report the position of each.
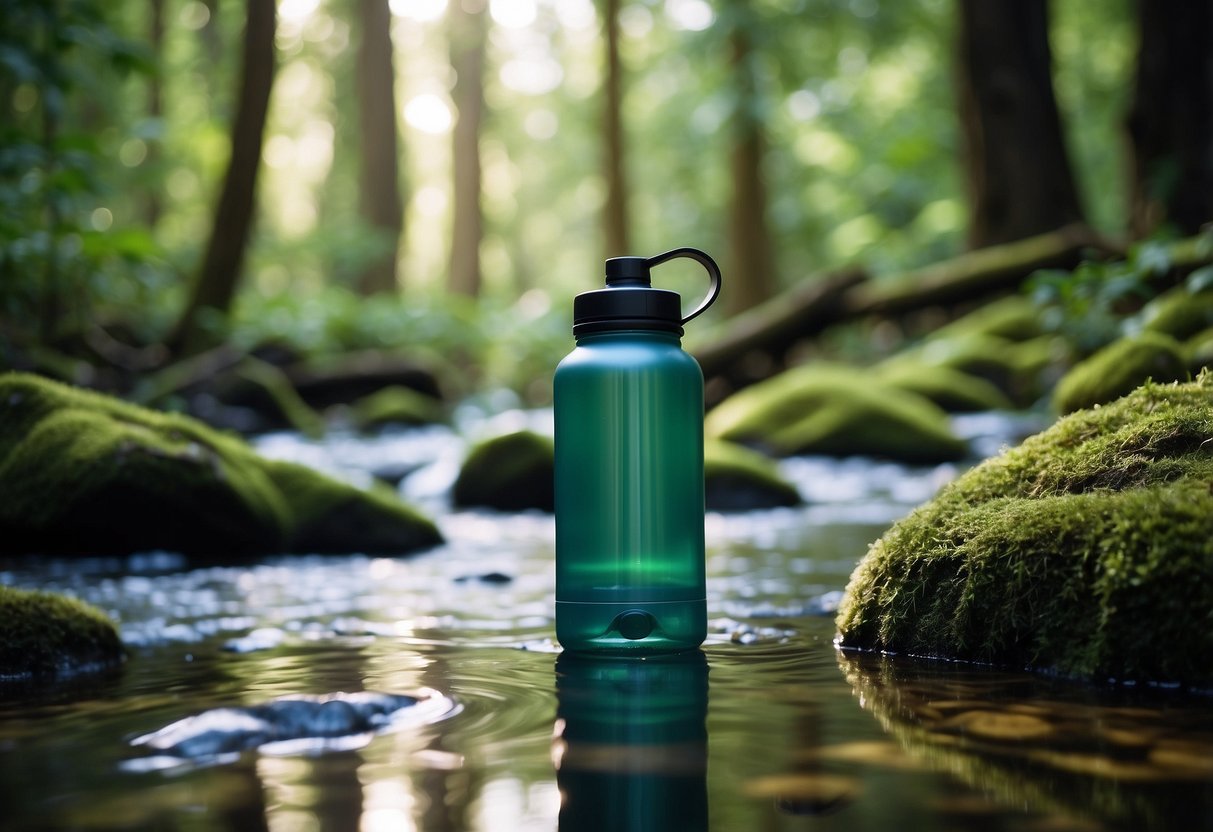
(838, 411)
(1087, 550)
(320, 719)
(1118, 368)
(46, 635)
(739, 479)
(512, 472)
(81, 472)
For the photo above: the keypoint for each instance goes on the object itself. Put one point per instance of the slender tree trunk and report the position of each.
(380, 201)
(617, 241)
(155, 106)
(1018, 173)
(224, 256)
(468, 22)
(1170, 123)
(753, 257)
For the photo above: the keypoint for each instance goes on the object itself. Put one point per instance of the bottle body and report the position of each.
(629, 495)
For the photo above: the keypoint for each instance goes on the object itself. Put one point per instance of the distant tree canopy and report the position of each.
(151, 174)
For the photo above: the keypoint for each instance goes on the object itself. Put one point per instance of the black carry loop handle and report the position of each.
(702, 259)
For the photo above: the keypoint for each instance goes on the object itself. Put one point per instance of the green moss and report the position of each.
(1179, 313)
(396, 405)
(1199, 349)
(1118, 368)
(739, 479)
(1013, 318)
(328, 516)
(83, 472)
(512, 472)
(286, 400)
(835, 410)
(42, 634)
(1013, 367)
(951, 390)
(1087, 550)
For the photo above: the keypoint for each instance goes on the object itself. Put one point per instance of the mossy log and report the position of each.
(1087, 551)
(768, 331)
(1118, 368)
(771, 328)
(974, 274)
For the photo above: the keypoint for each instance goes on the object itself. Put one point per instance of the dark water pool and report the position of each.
(768, 728)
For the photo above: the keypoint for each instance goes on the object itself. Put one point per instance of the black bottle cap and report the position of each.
(629, 300)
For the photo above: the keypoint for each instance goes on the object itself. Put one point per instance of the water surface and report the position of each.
(769, 728)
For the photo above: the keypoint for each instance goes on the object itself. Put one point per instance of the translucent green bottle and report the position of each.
(629, 469)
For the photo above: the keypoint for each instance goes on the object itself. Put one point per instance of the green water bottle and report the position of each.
(629, 468)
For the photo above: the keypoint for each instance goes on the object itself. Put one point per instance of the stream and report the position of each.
(769, 727)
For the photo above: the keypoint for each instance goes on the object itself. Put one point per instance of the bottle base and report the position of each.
(634, 629)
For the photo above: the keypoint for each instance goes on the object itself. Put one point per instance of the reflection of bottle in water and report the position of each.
(629, 469)
(631, 745)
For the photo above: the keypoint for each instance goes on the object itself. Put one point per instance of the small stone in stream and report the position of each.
(486, 578)
(325, 720)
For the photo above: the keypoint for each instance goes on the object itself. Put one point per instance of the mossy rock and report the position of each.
(512, 472)
(740, 479)
(1118, 368)
(1014, 318)
(1087, 550)
(396, 405)
(1199, 349)
(43, 634)
(1013, 367)
(1179, 313)
(951, 390)
(838, 411)
(81, 472)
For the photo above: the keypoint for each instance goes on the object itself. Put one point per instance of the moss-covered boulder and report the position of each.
(1014, 318)
(740, 479)
(1118, 368)
(949, 389)
(1087, 550)
(396, 405)
(81, 472)
(1199, 349)
(512, 472)
(835, 410)
(43, 634)
(1179, 313)
(1014, 367)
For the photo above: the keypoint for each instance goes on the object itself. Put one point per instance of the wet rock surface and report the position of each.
(322, 720)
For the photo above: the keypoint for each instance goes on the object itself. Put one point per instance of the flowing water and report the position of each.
(769, 727)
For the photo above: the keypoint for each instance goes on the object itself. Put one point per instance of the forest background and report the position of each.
(439, 178)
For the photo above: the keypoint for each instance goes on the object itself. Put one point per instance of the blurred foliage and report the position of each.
(1091, 305)
(855, 96)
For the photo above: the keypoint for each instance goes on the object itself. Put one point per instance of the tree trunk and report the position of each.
(618, 243)
(753, 258)
(224, 256)
(380, 201)
(155, 107)
(1170, 123)
(468, 34)
(1018, 174)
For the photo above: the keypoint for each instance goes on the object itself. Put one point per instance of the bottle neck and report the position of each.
(650, 335)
